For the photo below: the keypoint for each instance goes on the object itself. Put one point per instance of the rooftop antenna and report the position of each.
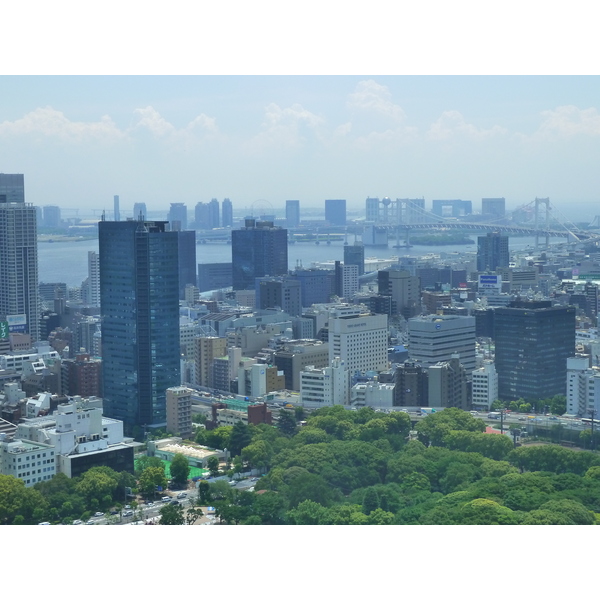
(103, 215)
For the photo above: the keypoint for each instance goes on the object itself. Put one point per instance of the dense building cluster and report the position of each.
(84, 371)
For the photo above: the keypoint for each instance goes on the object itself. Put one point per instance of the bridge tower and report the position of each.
(546, 213)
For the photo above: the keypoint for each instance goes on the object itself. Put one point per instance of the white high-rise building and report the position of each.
(359, 339)
(484, 386)
(436, 338)
(18, 258)
(94, 277)
(325, 386)
(583, 387)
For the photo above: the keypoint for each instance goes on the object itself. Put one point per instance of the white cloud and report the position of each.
(568, 121)
(371, 96)
(150, 119)
(287, 127)
(53, 124)
(452, 124)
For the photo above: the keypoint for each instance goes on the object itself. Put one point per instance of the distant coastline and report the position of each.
(48, 238)
(450, 239)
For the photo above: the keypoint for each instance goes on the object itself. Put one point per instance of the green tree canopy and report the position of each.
(150, 479)
(180, 469)
(18, 501)
(171, 514)
(240, 438)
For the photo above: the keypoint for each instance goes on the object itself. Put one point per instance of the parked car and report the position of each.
(77, 522)
(99, 514)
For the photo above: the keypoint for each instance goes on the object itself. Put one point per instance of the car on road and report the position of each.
(522, 419)
(182, 495)
(128, 513)
(99, 514)
(77, 522)
(166, 499)
(44, 523)
(174, 502)
(91, 522)
(127, 506)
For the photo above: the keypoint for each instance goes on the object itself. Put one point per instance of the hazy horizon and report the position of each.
(79, 140)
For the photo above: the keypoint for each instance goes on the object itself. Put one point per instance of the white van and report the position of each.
(166, 499)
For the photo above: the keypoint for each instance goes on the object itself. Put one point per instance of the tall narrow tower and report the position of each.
(116, 210)
(139, 286)
(18, 257)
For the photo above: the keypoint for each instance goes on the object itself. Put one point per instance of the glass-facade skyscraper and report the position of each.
(533, 341)
(335, 212)
(139, 299)
(257, 250)
(492, 252)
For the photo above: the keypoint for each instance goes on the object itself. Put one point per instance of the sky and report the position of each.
(159, 139)
(261, 105)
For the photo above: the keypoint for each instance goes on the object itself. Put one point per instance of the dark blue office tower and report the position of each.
(187, 260)
(257, 250)
(139, 285)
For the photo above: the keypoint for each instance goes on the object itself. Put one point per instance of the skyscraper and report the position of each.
(139, 207)
(213, 213)
(292, 213)
(18, 256)
(12, 188)
(404, 289)
(94, 278)
(177, 216)
(533, 342)
(355, 255)
(493, 207)
(257, 250)
(51, 216)
(116, 210)
(202, 216)
(187, 260)
(139, 285)
(492, 252)
(227, 213)
(335, 212)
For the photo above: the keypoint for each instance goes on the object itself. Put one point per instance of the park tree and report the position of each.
(240, 438)
(151, 479)
(482, 511)
(370, 501)
(143, 462)
(558, 404)
(18, 501)
(193, 514)
(171, 514)
(258, 454)
(287, 422)
(219, 438)
(213, 465)
(204, 493)
(97, 486)
(307, 512)
(180, 469)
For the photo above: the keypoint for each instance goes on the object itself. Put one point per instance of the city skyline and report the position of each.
(162, 139)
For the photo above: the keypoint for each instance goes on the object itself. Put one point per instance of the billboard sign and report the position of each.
(17, 323)
(490, 282)
(3, 330)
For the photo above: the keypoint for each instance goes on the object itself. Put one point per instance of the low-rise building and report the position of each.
(31, 462)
